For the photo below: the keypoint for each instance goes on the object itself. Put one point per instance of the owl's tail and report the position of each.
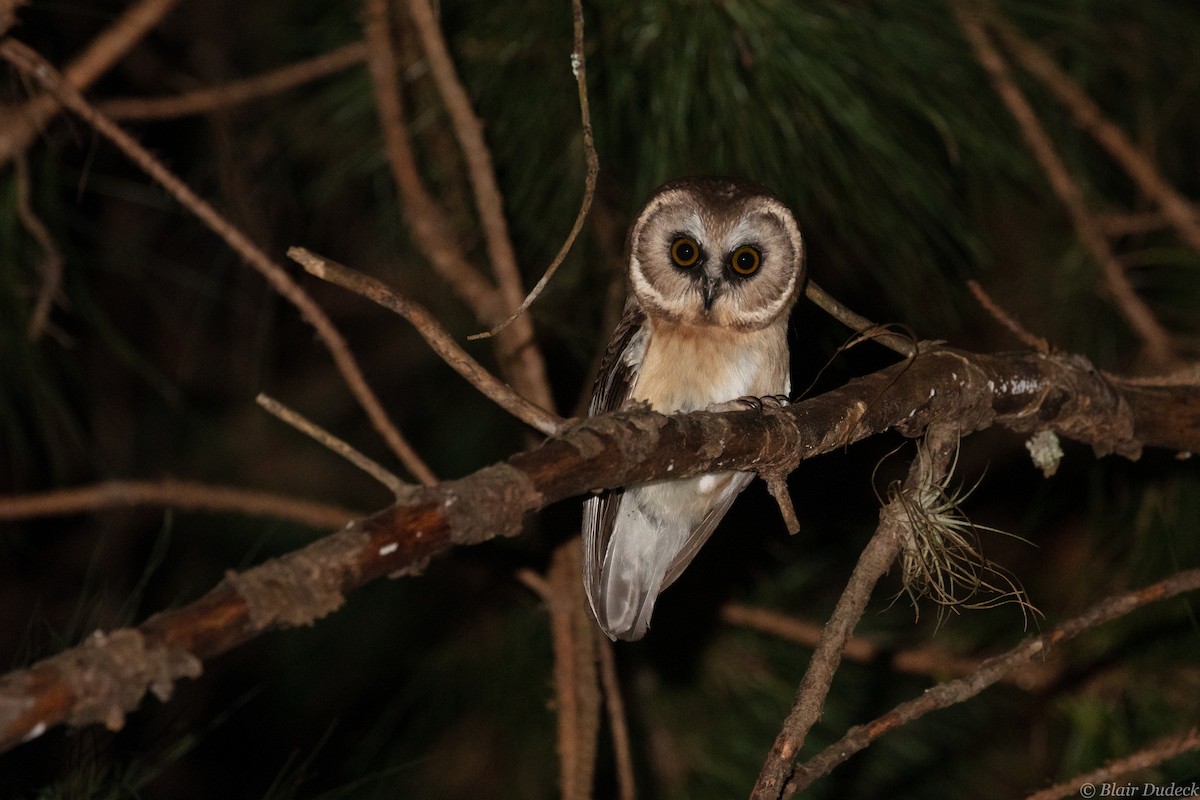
(629, 581)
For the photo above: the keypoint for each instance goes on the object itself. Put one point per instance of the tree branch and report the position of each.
(1176, 209)
(931, 464)
(438, 339)
(1155, 339)
(29, 62)
(928, 659)
(520, 359)
(1154, 754)
(203, 101)
(171, 492)
(24, 124)
(990, 672)
(1024, 392)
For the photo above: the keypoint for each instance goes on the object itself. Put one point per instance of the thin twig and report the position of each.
(203, 101)
(105, 50)
(991, 671)
(579, 68)
(51, 265)
(173, 493)
(1162, 750)
(1182, 215)
(520, 359)
(877, 557)
(1009, 322)
(29, 62)
(856, 322)
(1155, 339)
(439, 340)
(330, 442)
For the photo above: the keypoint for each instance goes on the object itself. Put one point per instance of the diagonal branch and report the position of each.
(25, 123)
(438, 339)
(932, 462)
(1155, 339)
(1150, 756)
(202, 101)
(520, 359)
(1177, 210)
(29, 62)
(173, 493)
(991, 671)
(1020, 391)
(468, 130)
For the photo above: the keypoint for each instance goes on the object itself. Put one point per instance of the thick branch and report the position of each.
(1024, 392)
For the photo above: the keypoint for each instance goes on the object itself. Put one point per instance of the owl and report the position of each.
(715, 266)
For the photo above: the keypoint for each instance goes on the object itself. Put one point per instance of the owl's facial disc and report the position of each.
(716, 252)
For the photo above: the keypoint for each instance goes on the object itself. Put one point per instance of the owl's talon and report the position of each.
(751, 403)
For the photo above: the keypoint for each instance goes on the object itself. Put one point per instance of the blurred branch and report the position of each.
(617, 723)
(51, 265)
(931, 464)
(173, 493)
(990, 672)
(438, 339)
(576, 682)
(30, 63)
(1024, 392)
(234, 93)
(20, 126)
(1131, 224)
(1009, 322)
(329, 441)
(468, 131)
(1151, 756)
(922, 660)
(579, 68)
(1155, 339)
(1176, 209)
(520, 359)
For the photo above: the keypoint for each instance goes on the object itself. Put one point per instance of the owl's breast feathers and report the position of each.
(688, 367)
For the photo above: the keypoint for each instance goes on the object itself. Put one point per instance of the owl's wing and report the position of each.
(614, 383)
(700, 534)
(619, 367)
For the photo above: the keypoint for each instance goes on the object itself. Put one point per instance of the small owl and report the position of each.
(715, 266)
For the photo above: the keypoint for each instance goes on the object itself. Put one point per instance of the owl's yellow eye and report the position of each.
(745, 260)
(685, 252)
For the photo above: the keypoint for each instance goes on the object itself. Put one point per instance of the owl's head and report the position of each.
(716, 251)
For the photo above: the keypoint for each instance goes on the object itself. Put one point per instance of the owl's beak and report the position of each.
(708, 291)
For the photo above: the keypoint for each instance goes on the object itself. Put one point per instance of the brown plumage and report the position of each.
(715, 266)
